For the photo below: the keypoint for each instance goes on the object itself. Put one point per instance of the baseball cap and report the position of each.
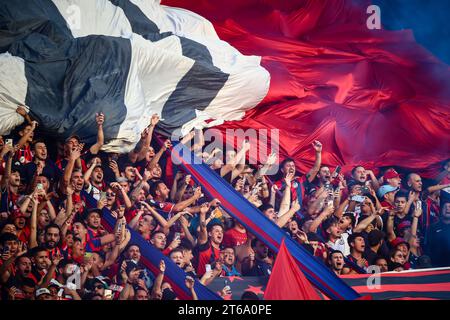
(41, 291)
(385, 189)
(390, 174)
(73, 136)
(397, 241)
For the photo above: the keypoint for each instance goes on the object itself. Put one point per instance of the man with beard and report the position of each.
(40, 165)
(297, 184)
(210, 238)
(93, 179)
(52, 240)
(336, 262)
(438, 239)
(259, 264)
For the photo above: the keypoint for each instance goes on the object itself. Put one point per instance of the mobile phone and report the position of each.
(114, 157)
(177, 235)
(227, 288)
(108, 294)
(358, 198)
(208, 267)
(9, 142)
(102, 195)
(337, 171)
(6, 249)
(39, 186)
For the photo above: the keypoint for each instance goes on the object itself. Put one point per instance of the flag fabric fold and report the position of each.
(286, 281)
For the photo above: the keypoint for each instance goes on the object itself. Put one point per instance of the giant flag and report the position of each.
(372, 97)
(66, 60)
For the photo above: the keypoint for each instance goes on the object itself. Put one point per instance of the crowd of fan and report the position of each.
(48, 233)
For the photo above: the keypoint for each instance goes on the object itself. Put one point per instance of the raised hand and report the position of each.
(189, 282)
(162, 266)
(317, 146)
(198, 193)
(154, 120)
(99, 118)
(167, 144)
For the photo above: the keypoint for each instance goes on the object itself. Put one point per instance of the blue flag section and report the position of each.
(259, 225)
(151, 258)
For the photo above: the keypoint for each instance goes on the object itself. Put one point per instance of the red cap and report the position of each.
(397, 241)
(390, 174)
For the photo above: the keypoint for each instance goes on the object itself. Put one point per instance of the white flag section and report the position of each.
(177, 67)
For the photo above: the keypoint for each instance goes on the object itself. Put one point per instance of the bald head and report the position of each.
(414, 182)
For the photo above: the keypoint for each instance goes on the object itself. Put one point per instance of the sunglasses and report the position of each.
(98, 286)
(110, 194)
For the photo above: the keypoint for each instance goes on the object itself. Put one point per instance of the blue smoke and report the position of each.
(429, 20)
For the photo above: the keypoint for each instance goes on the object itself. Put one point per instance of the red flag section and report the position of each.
(287, 282)
(372, 97)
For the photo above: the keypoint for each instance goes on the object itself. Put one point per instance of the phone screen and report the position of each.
(208, 267)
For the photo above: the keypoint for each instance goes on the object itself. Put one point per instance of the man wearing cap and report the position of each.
(74, 142)
(386, 194)
(43, 294)
(392, 178)
(403, 246)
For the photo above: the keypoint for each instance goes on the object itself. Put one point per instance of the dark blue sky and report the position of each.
(429, 20)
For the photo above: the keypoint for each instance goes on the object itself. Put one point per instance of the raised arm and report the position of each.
(186, 203)
(9, 151)
(311, 175)
(282, 220)
(148, 137)
(390, 226)
(203, 235)
(33, 235)
(99, 119)
(286, 200)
